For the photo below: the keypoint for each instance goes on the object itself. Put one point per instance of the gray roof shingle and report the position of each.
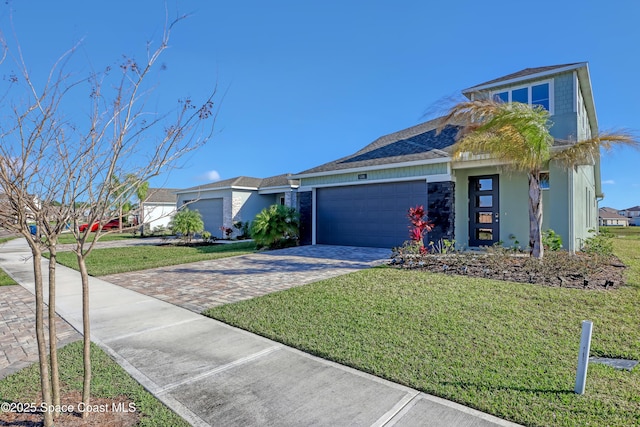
(161, 195)
(247, 182)
(279, 181)
(416, 143)
(609, 213)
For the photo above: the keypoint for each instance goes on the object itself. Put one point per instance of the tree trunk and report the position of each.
(86, 331)
(535, 216)
(53, 347)
(45, 381)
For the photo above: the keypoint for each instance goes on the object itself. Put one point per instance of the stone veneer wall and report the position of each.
(305, 208)
(290, 199)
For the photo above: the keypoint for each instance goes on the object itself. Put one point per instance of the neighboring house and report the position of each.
(362, 199)
(158, 207)
(633, 214)
(610, 217)
(226, 202)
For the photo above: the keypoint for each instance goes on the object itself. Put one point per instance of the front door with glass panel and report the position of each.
(484, 210)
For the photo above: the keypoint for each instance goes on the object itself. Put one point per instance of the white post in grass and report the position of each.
(583, 356)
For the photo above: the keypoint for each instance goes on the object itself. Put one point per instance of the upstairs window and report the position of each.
(537, 94)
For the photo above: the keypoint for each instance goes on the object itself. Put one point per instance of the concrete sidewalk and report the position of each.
(214, 374)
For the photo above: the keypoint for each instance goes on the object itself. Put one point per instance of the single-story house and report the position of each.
(223, 203)
(633, 214)
(362, 199)
(610, 217)
(158, 208)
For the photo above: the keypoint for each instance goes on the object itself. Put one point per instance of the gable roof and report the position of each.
(609, 213)
(417, 143)
(633, 209)
(526, 74)
(161, 195)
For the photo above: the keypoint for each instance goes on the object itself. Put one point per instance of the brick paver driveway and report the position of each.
(201, 285)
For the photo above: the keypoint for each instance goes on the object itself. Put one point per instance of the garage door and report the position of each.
(211, 211)
(367, 215)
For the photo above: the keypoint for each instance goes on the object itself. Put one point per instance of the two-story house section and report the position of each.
(633, 214)
(362, 199)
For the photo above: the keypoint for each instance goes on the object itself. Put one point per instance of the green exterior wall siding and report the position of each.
(514, 205)
(374, 175)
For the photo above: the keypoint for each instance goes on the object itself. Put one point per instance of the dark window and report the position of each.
(520, 95)
(544, 180)
(540, 95)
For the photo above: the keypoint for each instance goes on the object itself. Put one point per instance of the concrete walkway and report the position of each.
(214, 374)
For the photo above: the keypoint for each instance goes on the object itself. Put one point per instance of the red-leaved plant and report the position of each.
(419, 226)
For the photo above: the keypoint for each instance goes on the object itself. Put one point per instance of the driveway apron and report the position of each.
(213, 374)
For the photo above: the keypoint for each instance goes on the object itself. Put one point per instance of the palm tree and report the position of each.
(519, 134)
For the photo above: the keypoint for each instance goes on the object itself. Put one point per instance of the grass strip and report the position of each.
(109, 380)
(5, 279)
(132, 258)
(509, 349)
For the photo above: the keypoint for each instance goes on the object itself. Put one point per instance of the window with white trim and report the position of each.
(535, 94)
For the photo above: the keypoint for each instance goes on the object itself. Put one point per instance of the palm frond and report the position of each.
(513, 132)
(587, 150)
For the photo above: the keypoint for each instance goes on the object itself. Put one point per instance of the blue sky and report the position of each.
(308, 82)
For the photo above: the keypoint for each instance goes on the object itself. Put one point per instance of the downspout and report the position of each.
(572, 231)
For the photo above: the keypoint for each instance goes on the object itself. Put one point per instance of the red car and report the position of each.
(111, 225)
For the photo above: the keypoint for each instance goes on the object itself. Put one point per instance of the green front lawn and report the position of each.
(67, 238)
(132, 258)
(504, 348)
(624, 232)
(108, 381)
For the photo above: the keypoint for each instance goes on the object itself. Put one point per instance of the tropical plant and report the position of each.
(276, 227)
(187, 223)
(551, 240)
(226, 231)
(419, 225)
(519, 134)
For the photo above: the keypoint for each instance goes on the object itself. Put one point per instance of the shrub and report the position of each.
(419, 226)
(599, 244)
(551, 240)
(442, 246)
(243, 229)
(187, 223)
(276, 227)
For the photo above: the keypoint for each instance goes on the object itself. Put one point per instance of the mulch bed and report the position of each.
(557, 269)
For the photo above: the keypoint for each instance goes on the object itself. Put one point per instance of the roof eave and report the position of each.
(372, 167)
(227, 187)
(524, 78)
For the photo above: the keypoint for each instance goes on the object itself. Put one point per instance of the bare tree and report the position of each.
(46, 157)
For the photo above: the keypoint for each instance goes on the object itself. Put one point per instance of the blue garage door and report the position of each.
(373, 215)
